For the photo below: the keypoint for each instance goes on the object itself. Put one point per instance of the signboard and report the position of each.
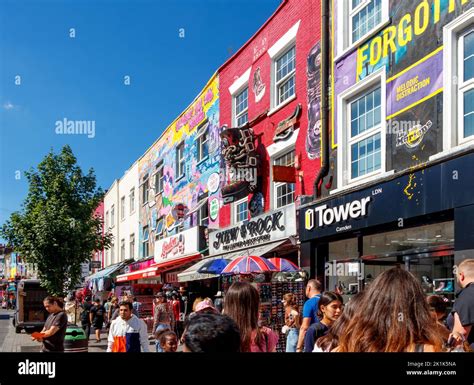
(96, 264)
(180, 245)
(268, 227)
(85, 269)
(284, 174)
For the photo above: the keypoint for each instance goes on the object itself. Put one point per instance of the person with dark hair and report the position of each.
(329, 310)
(393, 316)
(242, 305)
(85, 316)
(168, 341)
(54, 330)
(97, 317)
(331, 339)
(128, 332)
(438, 307)
(136, 306)
(310, 310)
(292, 322)
(212, 333)
(163, 317)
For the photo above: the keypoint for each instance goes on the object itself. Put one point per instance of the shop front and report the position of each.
(419, 221)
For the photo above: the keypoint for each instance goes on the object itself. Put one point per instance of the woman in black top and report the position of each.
(97, 315)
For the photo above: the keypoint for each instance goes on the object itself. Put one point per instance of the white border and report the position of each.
(240, 82)
(283, 42)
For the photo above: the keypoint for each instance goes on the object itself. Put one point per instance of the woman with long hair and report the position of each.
(329, 309)
(292, 321)
(393, 316)
(331, 340)
(242, 304)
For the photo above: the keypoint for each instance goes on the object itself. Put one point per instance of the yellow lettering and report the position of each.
(389, 41)
(404, 32)
(361, 58)
(375, 57)
(425, 7)
(437, 11)
(452, 5)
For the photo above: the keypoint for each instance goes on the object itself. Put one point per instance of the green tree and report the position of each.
(56, 229)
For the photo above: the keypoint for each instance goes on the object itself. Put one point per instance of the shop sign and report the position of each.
(171, 277)
(326, 216)
(96, 264)
(214, 208)
(286, 127)
(268, 227)
(140, 265)
(213, 182)
(185, 243)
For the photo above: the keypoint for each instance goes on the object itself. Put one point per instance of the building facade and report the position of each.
(397, 190)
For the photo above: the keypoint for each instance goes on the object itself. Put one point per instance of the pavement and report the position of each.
(11, 342)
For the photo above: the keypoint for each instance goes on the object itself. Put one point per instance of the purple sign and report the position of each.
(415, 84)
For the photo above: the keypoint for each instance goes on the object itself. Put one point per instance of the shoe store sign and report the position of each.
(174, 247)
(268, 227)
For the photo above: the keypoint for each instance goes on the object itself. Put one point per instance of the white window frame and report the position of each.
(277, 83)
(234, 210)
(107, 220)
(451, 31)
(132, 200)
(161, 234)
(463, 87)
(145, 184)
(281, 46)
(343, 25)
(122, 249)
(147, 241)
(112, 253)
(112, 216)
(234, 105)
(180, 161)
(202, 138)
(344, 179)
(122, 208)
(158, 184)
(202, 219)
(279, 184)
(132, 246)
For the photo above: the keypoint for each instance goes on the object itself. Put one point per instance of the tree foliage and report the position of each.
(56, 229)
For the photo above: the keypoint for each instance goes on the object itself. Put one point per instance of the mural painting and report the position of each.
(313, 71)
(176, 206)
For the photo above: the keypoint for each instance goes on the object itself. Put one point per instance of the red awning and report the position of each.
(156, 269)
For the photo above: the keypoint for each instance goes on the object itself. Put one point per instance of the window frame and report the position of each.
(277, 185)
(107, 220)
(122, 249)
(145, 186)
(131, 197)
(180, 161)
(158, 178)
(371, 82)
(277, 84)
(202, 219)
(235, 212)
(132, 246)
(236, 115)
(200, 142)
(161, 234)
(112, 216)
(463, 86)
(122, 208)
(145, 242)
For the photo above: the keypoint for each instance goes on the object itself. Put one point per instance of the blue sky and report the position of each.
(82, 77)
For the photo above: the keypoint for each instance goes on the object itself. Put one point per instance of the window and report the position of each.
(122, 208)
(160, 228)
(285, 71)
(122, 250)
(241, 210)
(466, 84)
(112, 253)
(204, 215)
(145, 189)
(241, 107)
(285, 192)
(180, 160)
(203, 146)
(365, 134)
(112, 216)
(132, 246)
(106, 220)
(364, 16)
(132, 200)
(145, 245)
(159, 178)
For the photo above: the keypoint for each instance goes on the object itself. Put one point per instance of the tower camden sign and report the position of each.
(268, 227)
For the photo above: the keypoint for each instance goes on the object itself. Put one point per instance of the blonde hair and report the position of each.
(196, 301)
(467, 267)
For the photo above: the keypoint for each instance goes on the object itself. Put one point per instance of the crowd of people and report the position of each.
(391, 315)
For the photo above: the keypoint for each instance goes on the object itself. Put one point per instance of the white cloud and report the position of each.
(8, 106)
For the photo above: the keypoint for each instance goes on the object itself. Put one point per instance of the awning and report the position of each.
(192, 274)
(157, 268)
(107, 271)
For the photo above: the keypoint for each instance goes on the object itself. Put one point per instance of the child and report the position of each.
(169, 341)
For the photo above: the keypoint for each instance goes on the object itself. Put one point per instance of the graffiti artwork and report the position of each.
(240, 157)
(313, 137)
(258, 85)
(168, 210)
(286, 127)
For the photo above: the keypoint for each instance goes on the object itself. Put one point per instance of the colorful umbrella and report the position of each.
(246, 265)
(214, 267)
(283, 264)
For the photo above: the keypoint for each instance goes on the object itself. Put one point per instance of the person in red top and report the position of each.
(175, 304)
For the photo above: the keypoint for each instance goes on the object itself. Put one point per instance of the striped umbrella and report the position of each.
(251, 264)
(283, 264)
